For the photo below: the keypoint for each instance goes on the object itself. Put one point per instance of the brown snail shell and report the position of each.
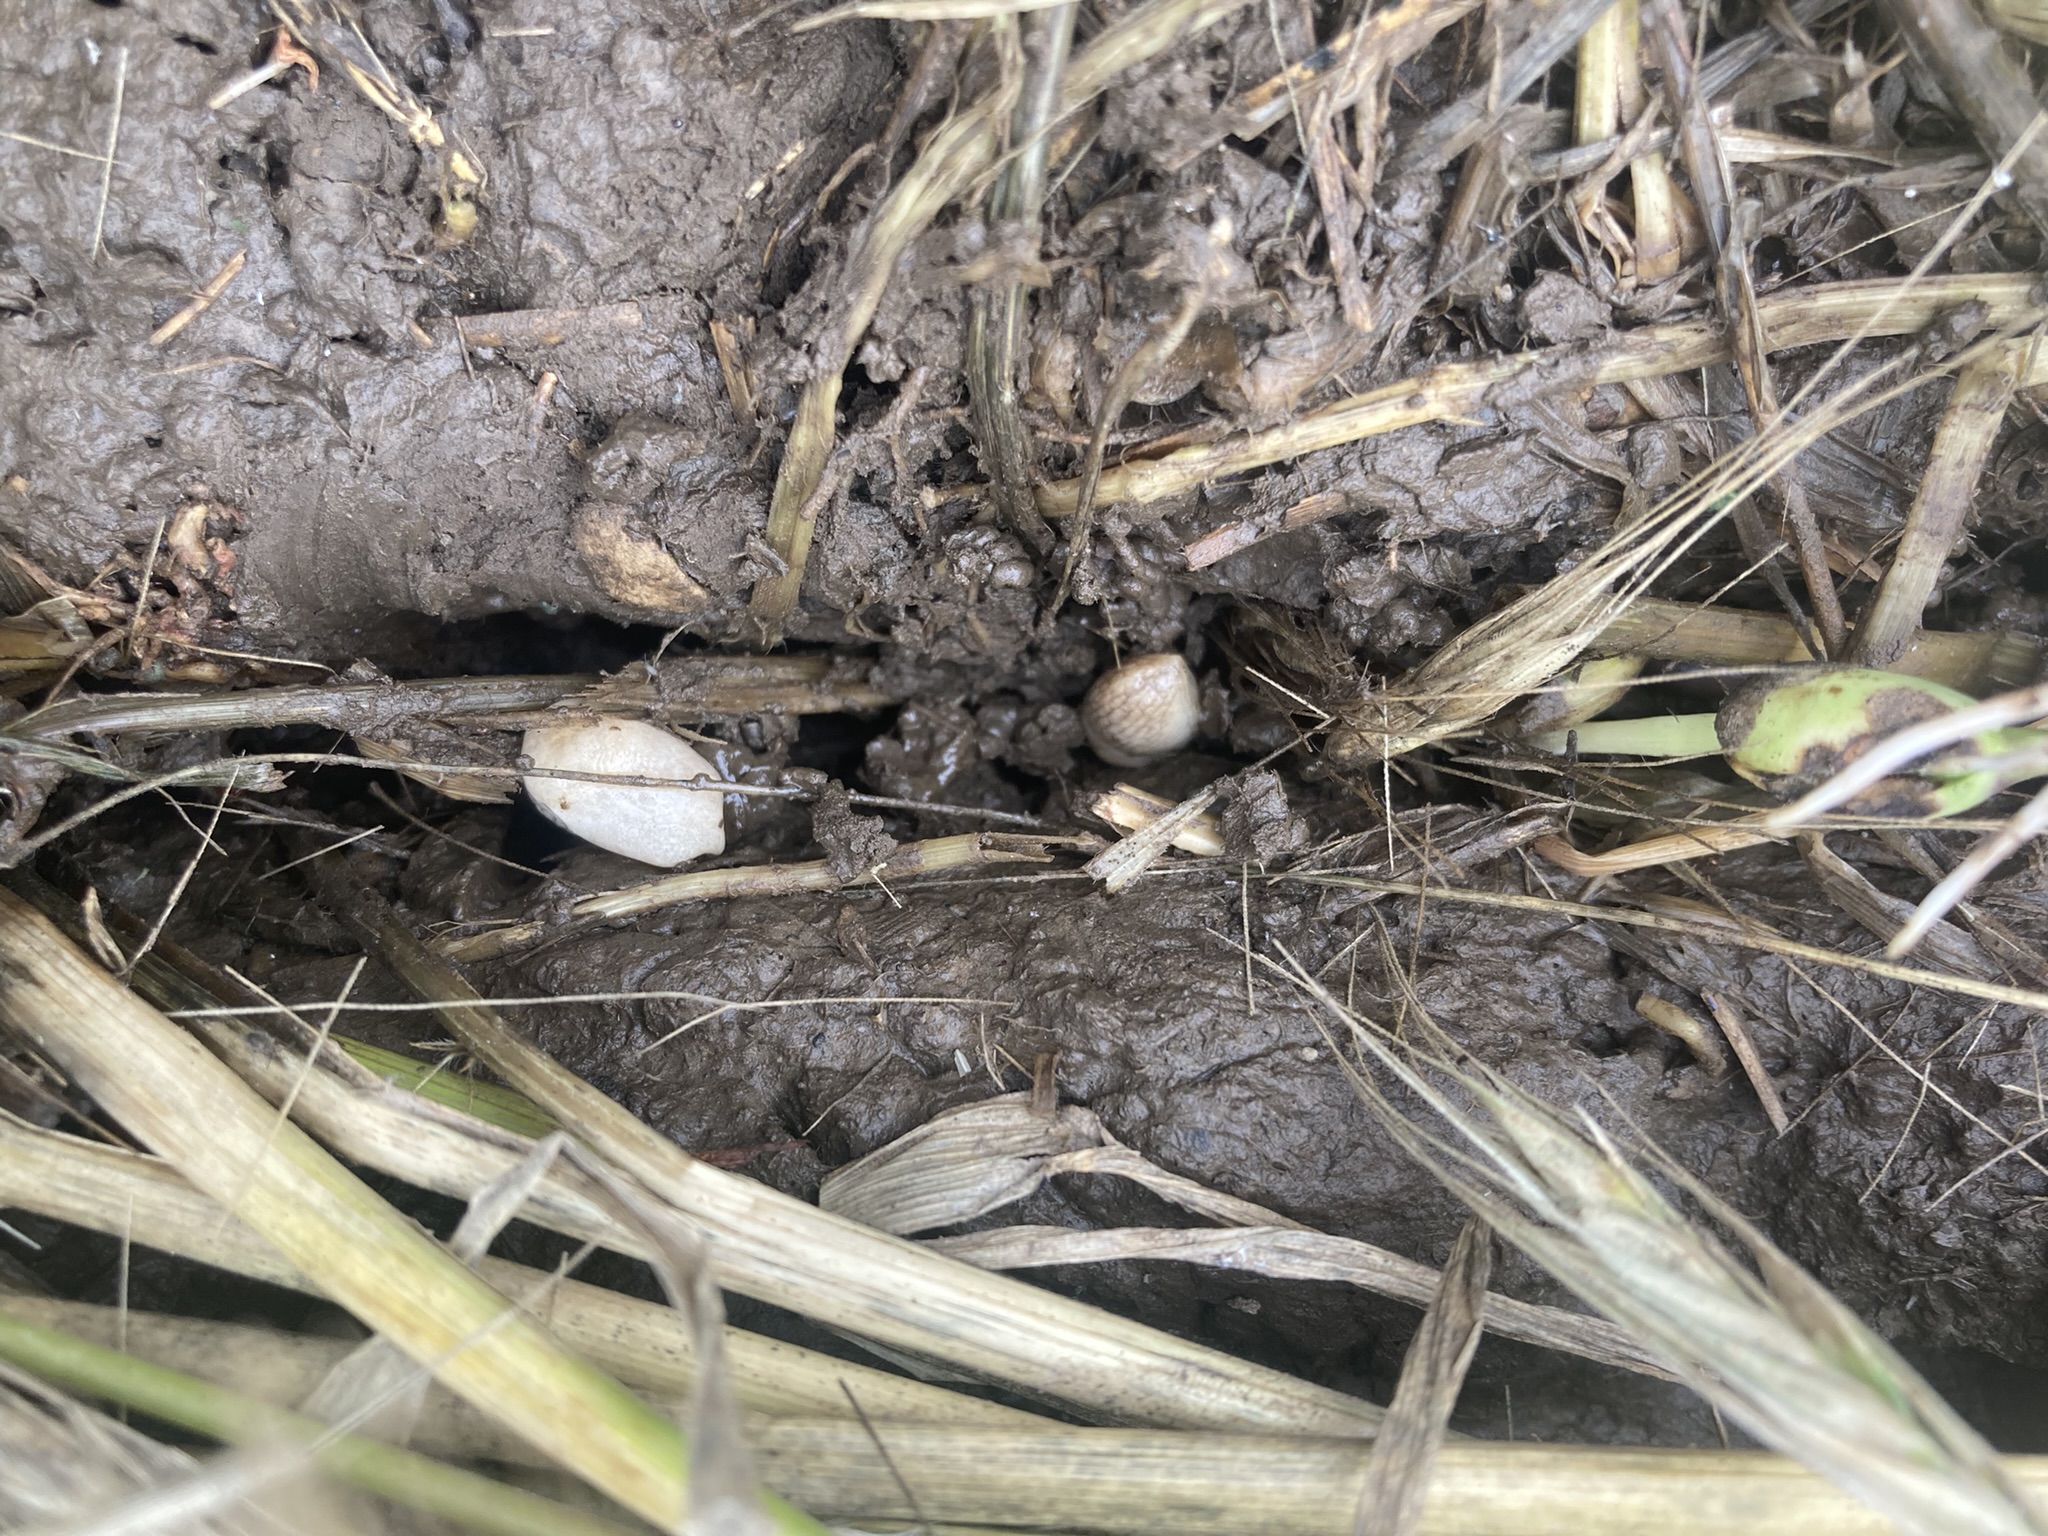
(1142, 710)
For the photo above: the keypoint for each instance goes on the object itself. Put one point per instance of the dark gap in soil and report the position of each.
(511, 643)
(531, 839)
(86, 1266)
(835, 744)
(277, 166)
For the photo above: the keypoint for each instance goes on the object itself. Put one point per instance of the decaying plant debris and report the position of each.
(1478, 397)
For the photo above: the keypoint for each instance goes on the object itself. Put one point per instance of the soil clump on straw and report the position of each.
(566, 441)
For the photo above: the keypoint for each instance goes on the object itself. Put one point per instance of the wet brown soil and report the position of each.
(382, 436)
(372, 407)
(383, 466)
(1144, 998)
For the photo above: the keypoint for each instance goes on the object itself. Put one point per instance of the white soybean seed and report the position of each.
(664, 827)
(1142, 710)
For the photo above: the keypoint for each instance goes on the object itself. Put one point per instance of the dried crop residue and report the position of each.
(580, 413)
(1143, 997)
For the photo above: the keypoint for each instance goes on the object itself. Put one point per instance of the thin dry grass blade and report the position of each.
(2026, 824)
(1744, 935)
(1397, 1482)
(332, 32)
(1781, 1357)
(929, 856)
(1729, 1017)
(374, 1389)
(442, 1148)
(724, 1495)
(1651, 852)
(1281, 1254)
(923, 10)
(1130, 809)
(970, 1161)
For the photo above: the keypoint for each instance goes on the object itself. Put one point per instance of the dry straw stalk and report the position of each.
(404, 1476)
(767, 1245)
(1147, 1482)
(680, 688)
(649, 1347)
(1143, 1482)
(1880, 307)
(1983, 661)
(1962, 443)
(165, 1089)
(780, 1250)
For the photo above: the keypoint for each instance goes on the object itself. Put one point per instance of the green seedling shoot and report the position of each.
(1789, 735)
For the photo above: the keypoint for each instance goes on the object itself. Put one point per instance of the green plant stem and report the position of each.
(1662, 736)
(489, 1102)
(402, 1476)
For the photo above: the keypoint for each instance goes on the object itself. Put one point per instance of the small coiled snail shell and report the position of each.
(1142, 710)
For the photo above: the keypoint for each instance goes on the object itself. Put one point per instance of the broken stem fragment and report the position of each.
(954, 156)
(1881, 307)
(932, 856)
(995, 325)
(1976, 410)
